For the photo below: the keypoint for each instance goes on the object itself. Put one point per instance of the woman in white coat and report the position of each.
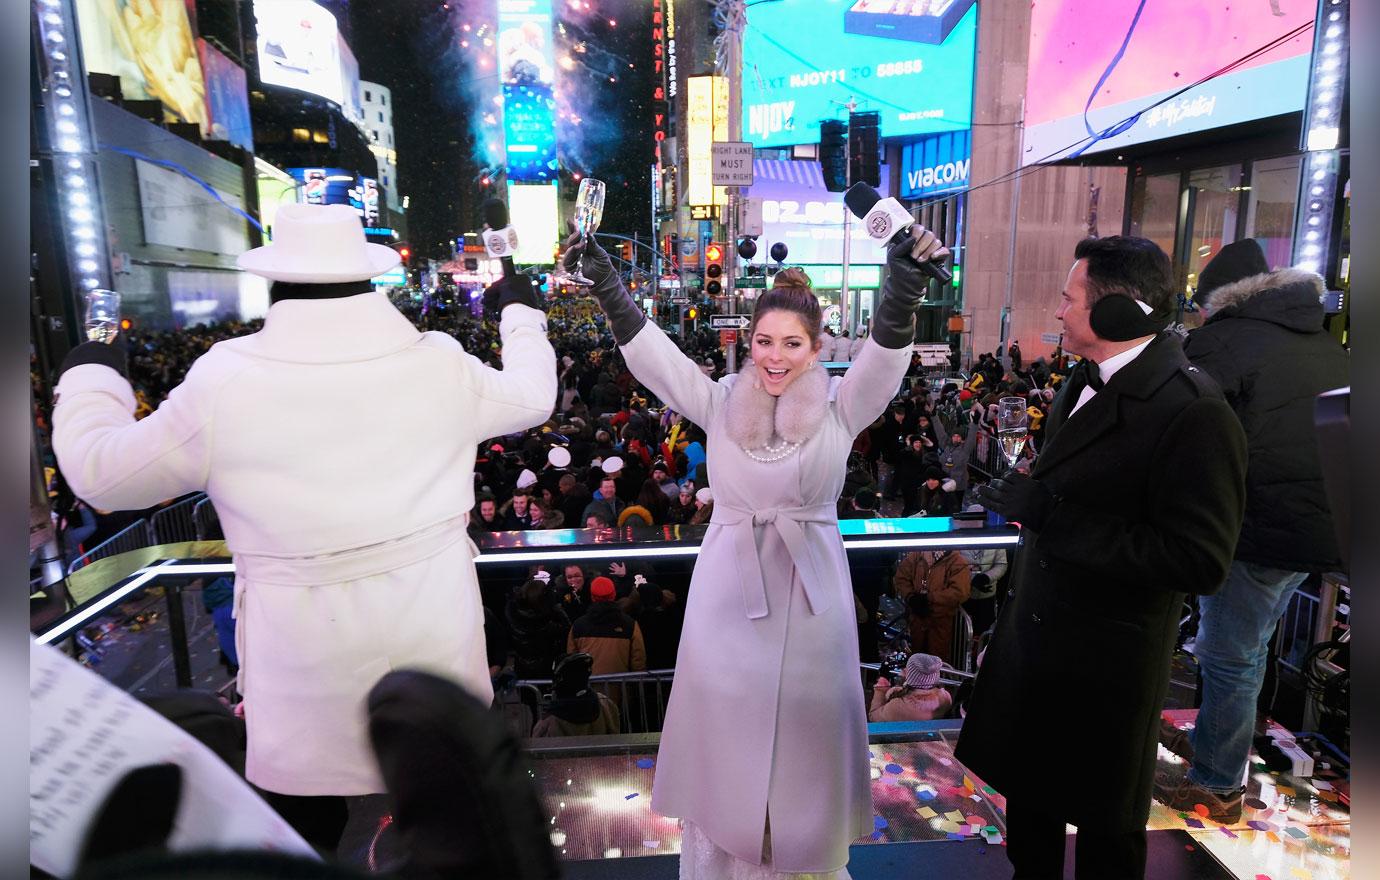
(764, 751)
(338, 447)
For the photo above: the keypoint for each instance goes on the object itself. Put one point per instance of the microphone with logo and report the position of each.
(888, 223)
(500, 239)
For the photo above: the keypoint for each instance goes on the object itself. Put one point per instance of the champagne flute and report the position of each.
(1012, 428)
(102, 320)
(589, 210)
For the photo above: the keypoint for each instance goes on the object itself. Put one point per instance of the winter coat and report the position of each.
(1096, 593)
(611, 637)
(338, 446)
(991, 562)
(605, 722)
(770, 592)
(909, 704)
(1265, 345)
(947, 584)
(538, 637)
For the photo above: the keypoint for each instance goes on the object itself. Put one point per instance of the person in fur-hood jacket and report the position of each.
(766, 676)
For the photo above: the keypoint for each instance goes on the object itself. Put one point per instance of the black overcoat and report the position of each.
(1150, 474)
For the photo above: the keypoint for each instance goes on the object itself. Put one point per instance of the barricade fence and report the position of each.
(207, 521)
(175, 523)
(135, 536)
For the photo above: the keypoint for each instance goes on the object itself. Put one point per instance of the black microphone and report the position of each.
(500, 239)
(888, 223)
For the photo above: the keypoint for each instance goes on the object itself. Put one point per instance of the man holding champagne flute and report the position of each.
(1121, 516)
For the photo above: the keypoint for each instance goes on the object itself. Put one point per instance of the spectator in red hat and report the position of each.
(608, 635)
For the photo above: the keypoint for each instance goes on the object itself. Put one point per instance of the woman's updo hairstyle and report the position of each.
(791, 291)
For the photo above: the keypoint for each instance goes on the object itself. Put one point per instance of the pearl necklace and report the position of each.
(772, 453)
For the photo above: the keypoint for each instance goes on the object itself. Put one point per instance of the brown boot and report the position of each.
(1187, 796)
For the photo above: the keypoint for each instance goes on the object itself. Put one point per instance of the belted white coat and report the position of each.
(767, 714)
(338, 447)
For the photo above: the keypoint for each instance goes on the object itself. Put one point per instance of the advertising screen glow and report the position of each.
(535, 217)
(803, 60)
(227, 98)
(1173, 44)
(299, 47)
(799, 211)
(150, 47)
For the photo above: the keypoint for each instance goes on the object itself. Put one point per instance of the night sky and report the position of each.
(414, 48)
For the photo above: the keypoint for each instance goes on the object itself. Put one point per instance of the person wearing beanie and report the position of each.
(863, 505)
(936, 495)
(920, 698)
(1264, 342)
(608, 635)
(574, 708)
(335, 497)
(766, 599)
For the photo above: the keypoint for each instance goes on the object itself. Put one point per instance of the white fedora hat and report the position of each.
(318, 244)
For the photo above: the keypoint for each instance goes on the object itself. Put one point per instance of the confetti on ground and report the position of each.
(989, 789)
(1320, 785)
(895, 768)
(1193, 823)
(628, 797)
(1296, 832)
(879, 822)
(977, 820)
(645, 763)
(1272, 837)
(954, 816)
(651, 844)
(926, 813)
(1258, 825)
(1301, 873)
(1201, 810)
(1228, 832)
(925, 794)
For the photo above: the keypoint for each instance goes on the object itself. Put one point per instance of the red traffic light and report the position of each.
(404, 252)
(713, 253)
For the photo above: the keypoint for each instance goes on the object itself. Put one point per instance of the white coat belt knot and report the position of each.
(788, 522)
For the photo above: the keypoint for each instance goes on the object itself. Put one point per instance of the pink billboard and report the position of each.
(1173, 44)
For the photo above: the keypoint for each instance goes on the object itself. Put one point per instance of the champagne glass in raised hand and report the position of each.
(1012, 428)
(589, 210)
(102, 320)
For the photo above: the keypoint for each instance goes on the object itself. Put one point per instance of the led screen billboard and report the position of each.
(804, 60)
(535, 218)
(936, 164)
(1173, 43)
(299, 48)
(799, 211)
(151, 48)
(227, 98)
(524, 41)
(529, 132)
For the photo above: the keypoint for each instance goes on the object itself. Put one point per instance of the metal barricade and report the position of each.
(133, 537)
(175, 523)
(207, 521)
(641, 698)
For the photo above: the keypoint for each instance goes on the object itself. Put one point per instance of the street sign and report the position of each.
(754, 281)
(732, 163)
(729, 322)
(679, 299)
(1051, 338)
(728, 337)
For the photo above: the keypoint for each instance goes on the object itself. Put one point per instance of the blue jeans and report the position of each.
(1232, 647)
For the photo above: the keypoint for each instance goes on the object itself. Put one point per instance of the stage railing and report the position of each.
(132, 537)
(176, 523)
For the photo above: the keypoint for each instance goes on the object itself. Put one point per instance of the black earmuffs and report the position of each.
(1117, 318)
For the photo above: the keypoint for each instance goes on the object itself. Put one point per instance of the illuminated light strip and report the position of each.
(142, 577)
(1319, 137)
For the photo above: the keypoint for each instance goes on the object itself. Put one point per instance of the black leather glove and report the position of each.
(624, 315)
(1020, 498)
(919, 604)
(517, 289)
(112, 355)
(893, 326)
(981, 581)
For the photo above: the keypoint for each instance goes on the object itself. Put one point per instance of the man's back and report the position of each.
(1266, 346)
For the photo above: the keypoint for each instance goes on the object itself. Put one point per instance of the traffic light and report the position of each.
(833, 154)
(713, 269)
(626, 251)
(405, 253)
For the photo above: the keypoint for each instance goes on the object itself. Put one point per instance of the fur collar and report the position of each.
(1238, 292)
(754, 417)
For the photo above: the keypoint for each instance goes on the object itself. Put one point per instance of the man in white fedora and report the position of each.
(338, 446)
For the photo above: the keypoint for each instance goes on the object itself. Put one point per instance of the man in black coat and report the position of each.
(1265, 345)
(1120, 517)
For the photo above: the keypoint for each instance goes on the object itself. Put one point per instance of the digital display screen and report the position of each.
(299, 48)
(1174, 43)
(909, 60)
(535, 217)
(798, 211)
(529, 132)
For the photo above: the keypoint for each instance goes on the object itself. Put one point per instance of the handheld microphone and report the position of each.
(500, 239)
(888, 224)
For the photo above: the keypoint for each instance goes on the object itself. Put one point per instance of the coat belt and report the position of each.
(788, 522)
(355, 563)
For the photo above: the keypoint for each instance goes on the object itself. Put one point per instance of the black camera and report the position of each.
(893, 668)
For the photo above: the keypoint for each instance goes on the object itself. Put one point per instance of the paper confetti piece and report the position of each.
(955, 836)
(976, 820)
(1227, 831)
(926, 813)
(1193, 823)
(1322, 785)
(645, 763)
(989, 789)
(954, 816)
(1272, 837)
(1201, 810)
(879, 822)
(968, 783)
(876, 835)
(628, 797)
(1262, 877)
(895, 768)
(976, 798)
(651, 844)
(951, 828)
(925, 795)
(1296, 832)
(994, 838)
(1301, 873)
(1258, 825)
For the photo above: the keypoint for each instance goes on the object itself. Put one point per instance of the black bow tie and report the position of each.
(1092, 375)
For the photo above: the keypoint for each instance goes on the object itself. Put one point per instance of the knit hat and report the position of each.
(612, 465)
(526, 478)
(601, 589)
(704, 496)
(933, 473)
(922, 671)
(1240, 259)
(558, 456)
(660, 465)
(865, 499)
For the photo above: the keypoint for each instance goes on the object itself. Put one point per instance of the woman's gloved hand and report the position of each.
(893, 326)
(624, 316)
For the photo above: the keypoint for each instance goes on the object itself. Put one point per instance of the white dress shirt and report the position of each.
(1107, 368)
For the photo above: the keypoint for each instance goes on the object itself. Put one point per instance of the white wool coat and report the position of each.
(767, 714)
(338, 447)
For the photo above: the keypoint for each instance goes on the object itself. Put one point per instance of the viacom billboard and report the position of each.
(936, 165)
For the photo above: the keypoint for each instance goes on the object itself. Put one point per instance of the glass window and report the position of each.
(367, 96)
(301, 135)
(320, 137)
(1270, 210)
(1215, 200)
(380, 116)
(1155, 208)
